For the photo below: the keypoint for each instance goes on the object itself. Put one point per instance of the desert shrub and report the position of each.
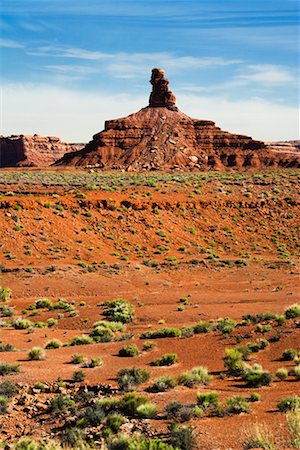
(43, 303)
(183, 437)
(114, 421)
(6, 311)
(63, 304)
(22, 324)
(6, 368)
(129, 350)
(226, 325)
(168, 359)
(92, 416)
(78, 376)
(111, 325)
(202, 327)
(101, 334)
(4, 401)
(254, 397)
(119, 310)
(109, 404)
(51, 322)
(207, 400)
(130, 403)
(259, 437)
(180, 412)
(71, 438)
(289, 354)
(62, 404)
(260, 344)
(237, 405)
(129, 379)
(282, 374)
(289, 403)
(77, 359)
(36, 354)
(148, 345)
(297, 372)
(292, 311)
(263, 328)
(93, 362)
(195, 377)
(5, 294)
(120, 441)
(161, 333)
(146, 410)
(293, 420)
(233, 361)
(53, 344)
(81, 340)
(8, 389)
(163, 383)
(7, 348)
(151, 444)
(255, 376)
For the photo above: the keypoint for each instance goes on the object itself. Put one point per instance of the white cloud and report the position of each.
(76, 115)
(268, 74)
(8, 43)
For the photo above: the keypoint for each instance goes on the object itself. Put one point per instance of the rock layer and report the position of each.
(25, 150)
(162, 137)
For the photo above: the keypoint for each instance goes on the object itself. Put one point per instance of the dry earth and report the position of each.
(228, 243)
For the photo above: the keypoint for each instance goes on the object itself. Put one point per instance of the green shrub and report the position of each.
(207, 400)
(62, 404)
(77, 359)
(289, 354)
(254, 397)
(168, 359)
(293, 420)
(180, 412)
(6, 368)
(161, 333)
(233, 361)
(119, 310)
(22, 324)
(93, 362)
(292, 311)
(114, 422)
(81, 340)
(195, 377)
(289, 403)
(78, 376)
(42, 303)
(7, 348)
(226, 325)
(129, 379)
(151, 444)
(259, 437)
(53, 344)
(113, 326)
(282, 374)
(237, 405)
(129, 350)
(202, 327)
(146, 410)
(5, 294)
(36, 354)
(297, 372)
(148, 345)
(51, 322)
(3, 404)
(163, 383)
(182, 437)
(8, 389)
(92, 416)
(101, 334)
(255, 376)
(130, 403)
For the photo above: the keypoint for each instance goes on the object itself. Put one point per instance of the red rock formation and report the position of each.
(161, 137)
(25, 150)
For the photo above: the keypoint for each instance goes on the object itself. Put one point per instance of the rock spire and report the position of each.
(161, 96)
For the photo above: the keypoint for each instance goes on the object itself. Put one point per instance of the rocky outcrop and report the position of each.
(24, 150)
(162, 137)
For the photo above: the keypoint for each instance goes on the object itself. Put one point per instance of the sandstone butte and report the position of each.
(32, 151)
(160, 136)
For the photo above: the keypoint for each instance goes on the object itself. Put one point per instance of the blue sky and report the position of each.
(68, 65)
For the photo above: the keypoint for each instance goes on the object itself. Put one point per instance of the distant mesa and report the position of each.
(33, 151)
(160, 137)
